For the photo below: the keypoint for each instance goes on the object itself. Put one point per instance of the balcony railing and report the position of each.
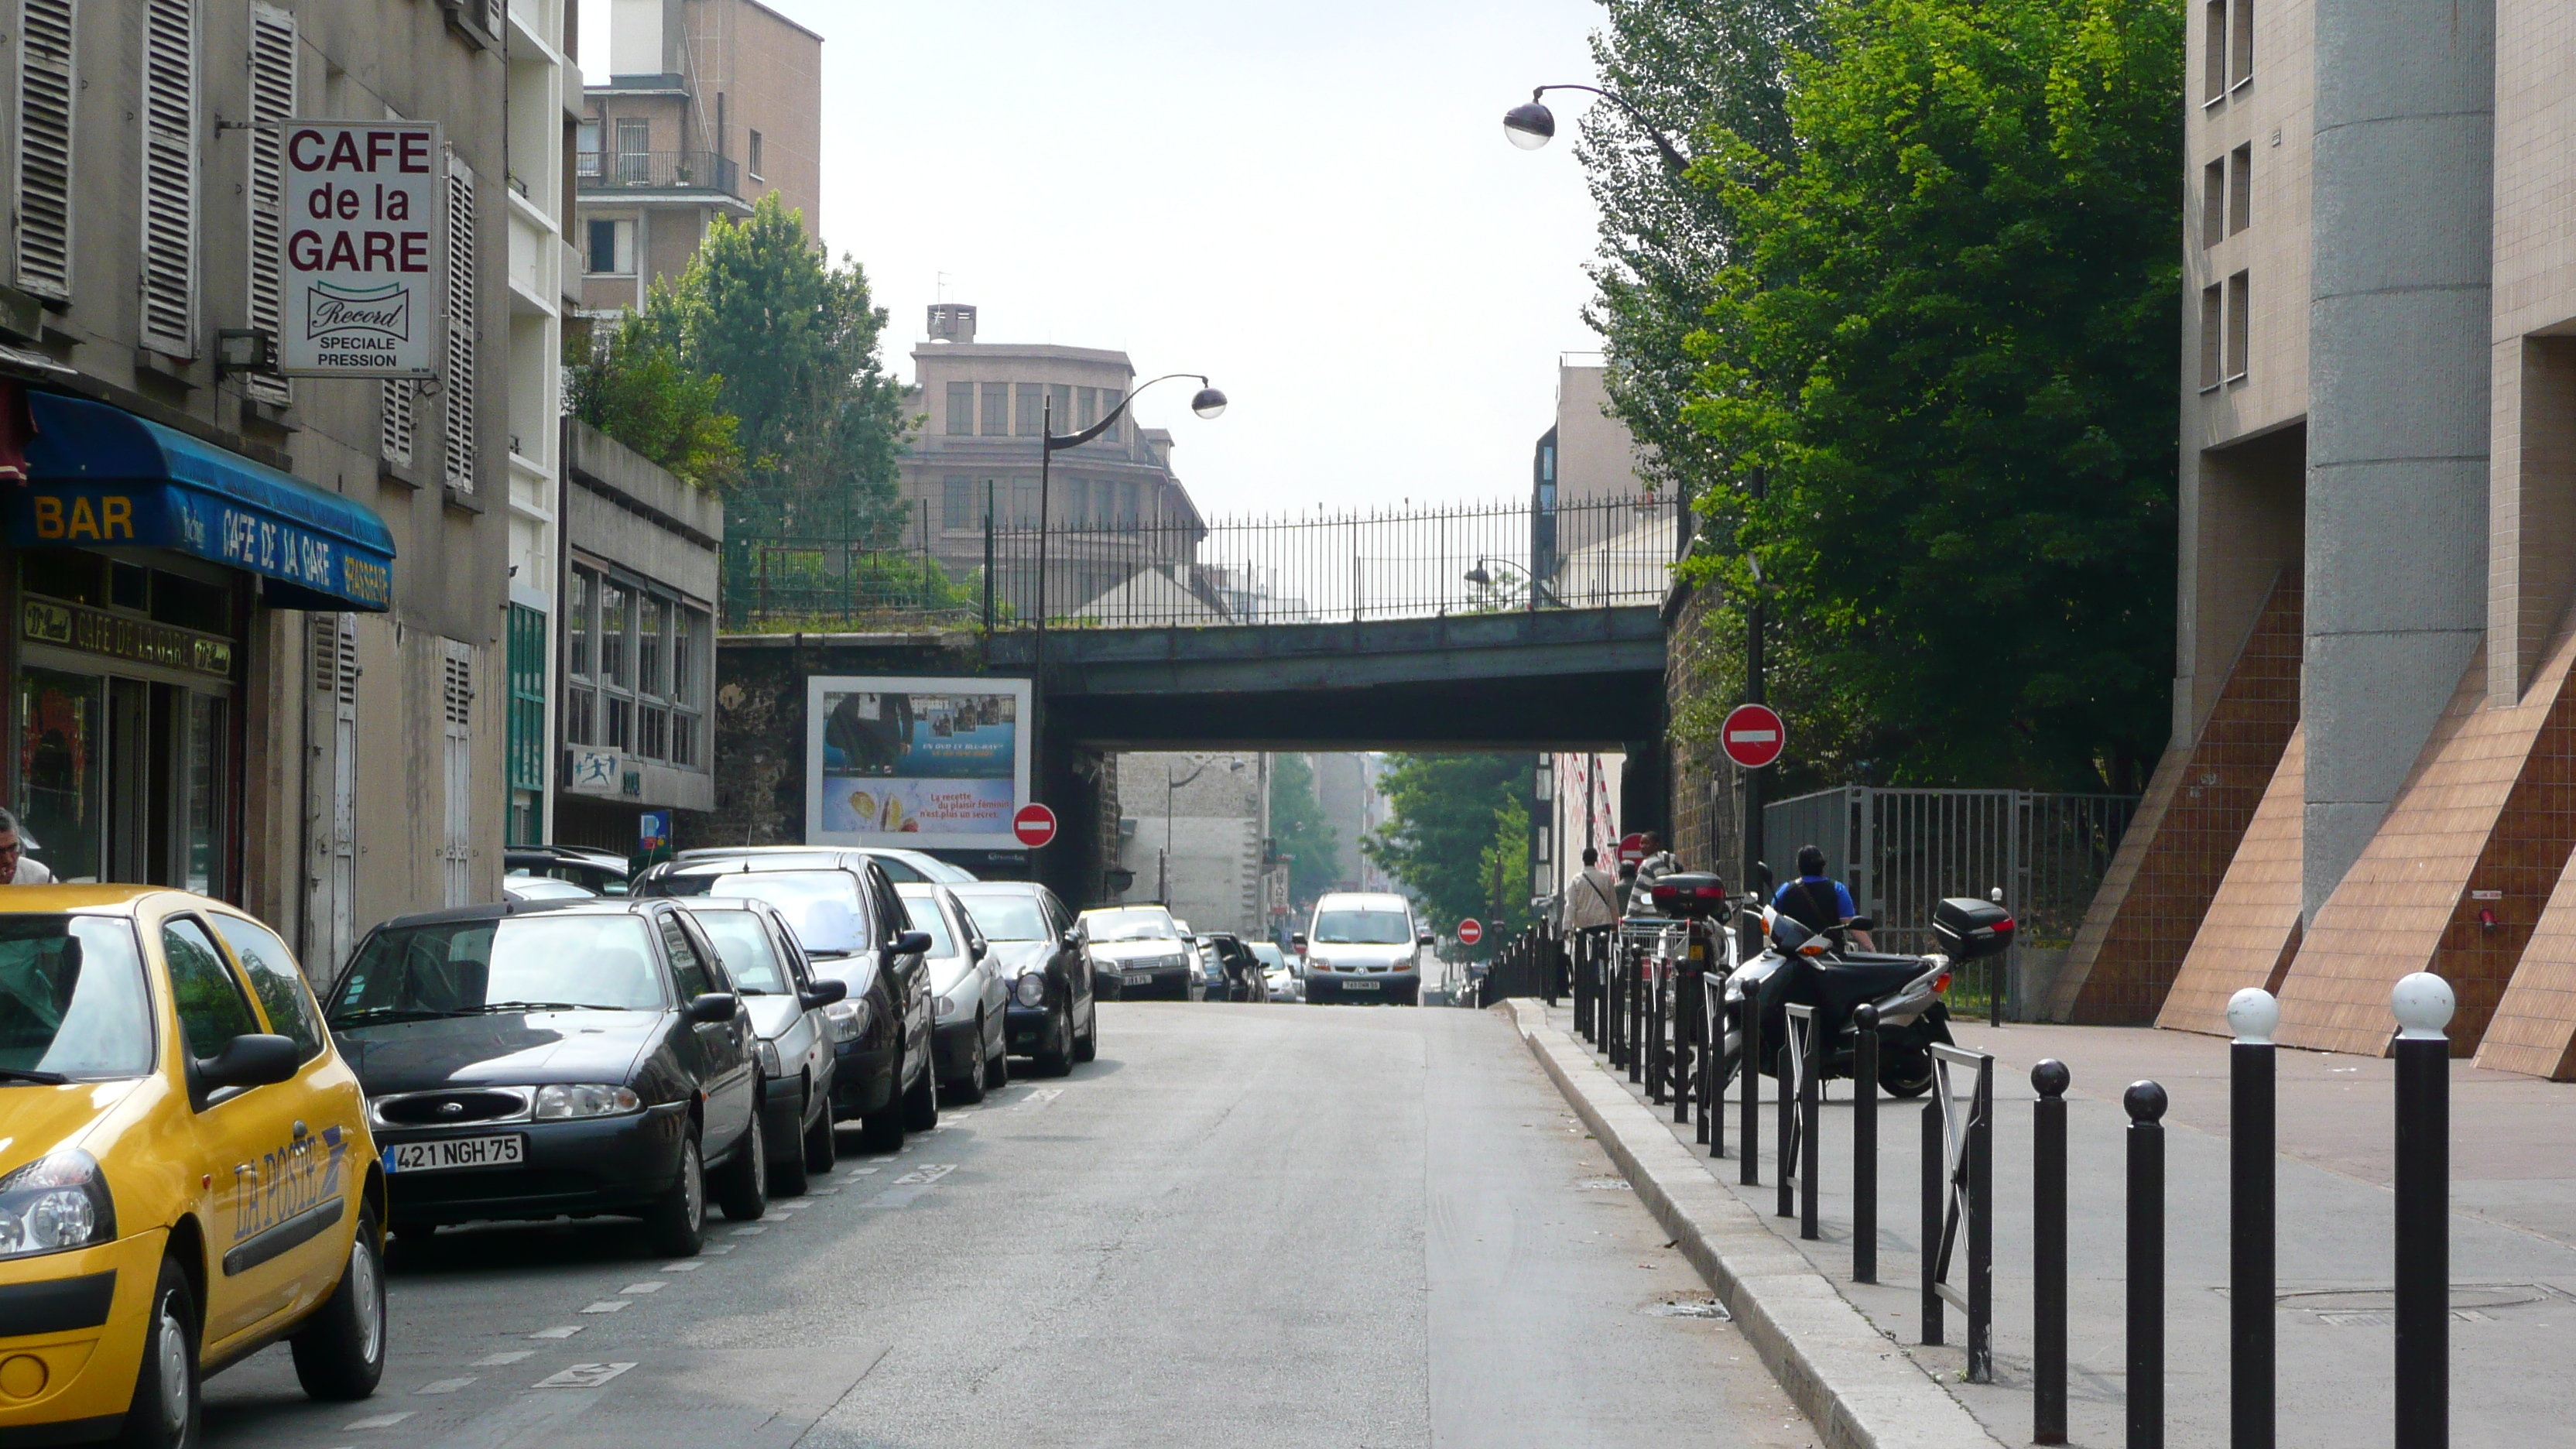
(657, 171)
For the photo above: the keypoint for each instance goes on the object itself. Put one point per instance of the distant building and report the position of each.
(1346, 792)
(709, 105)
(1192, 831)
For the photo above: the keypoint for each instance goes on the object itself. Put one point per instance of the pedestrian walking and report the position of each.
(1658, 863)
(15, 867)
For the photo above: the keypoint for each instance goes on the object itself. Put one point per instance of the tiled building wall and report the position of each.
(2523, 859)
(2250, 936)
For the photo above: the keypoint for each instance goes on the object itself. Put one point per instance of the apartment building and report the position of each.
(1193, 833)
(709, 106)
(2372, 729)
(257, 622)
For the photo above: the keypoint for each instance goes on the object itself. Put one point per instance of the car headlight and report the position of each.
(849, 1019)
(1318, 963)
(1030, 989)
(769, 1060)
(564, 1101)
(54, 1204)
(942, 1007)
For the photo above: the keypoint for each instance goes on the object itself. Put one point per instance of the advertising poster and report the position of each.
(921, 763)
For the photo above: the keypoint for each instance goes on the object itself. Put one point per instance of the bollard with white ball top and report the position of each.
(2252, 1014)
(2422, 1004)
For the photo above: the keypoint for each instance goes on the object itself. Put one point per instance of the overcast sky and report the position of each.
(1314, 204)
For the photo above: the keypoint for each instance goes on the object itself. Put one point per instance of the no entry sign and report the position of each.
(1470, 931)
(1632, 847)
(1753, 735)
(1034, 825)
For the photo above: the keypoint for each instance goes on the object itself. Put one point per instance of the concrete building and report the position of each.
(299, 708)
(1200, 825)
(2372, 731)
(1116, 497)
(709, 105)
(640, 571)
(1346, 791)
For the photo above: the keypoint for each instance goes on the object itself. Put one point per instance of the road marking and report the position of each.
(749, 1230)
(640, 1288)
(822, 1191)
(682, 1267)
(565, 1332)
(612, 1306)
(377, 1421)
(718, 1250)
(861, 1171)
(1037, 1097)
(495, 1360)
(887, 1158)
(582, 1376)
(928, 1173)
(445, 1386)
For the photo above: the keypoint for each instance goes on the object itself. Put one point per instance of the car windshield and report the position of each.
(927, 916)
(1007, 918)
(460, 968)
(789, 890)
(1362, 928)
(541, 888)
(1270, 955)
(743, 944)
(1141, 924)
(72, 1003)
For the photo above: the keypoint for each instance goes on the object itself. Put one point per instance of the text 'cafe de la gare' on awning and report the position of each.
(142, 559)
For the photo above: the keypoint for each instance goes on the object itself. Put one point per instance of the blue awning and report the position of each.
(101, 477)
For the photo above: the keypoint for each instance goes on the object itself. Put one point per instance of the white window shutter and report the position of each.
(170, 177)
(41, 198)
(272, 101)
(461, 314)
(395, 442)
(457, 853)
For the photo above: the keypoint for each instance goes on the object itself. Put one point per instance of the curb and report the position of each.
(1858, 1388)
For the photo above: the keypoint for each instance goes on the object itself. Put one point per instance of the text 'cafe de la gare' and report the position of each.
(141, 559)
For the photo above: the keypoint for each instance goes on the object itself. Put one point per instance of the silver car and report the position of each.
(969, 1046)
(1140, 951)
(1286, 975)
(787, 1003)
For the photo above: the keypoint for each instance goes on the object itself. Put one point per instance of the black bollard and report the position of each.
(1748, 1072)
(2423, 1004)
(1686, 986)
(1811, 1094)
(1632, 980)
(1865, 1144)
(2048, 1253)
(2251, 1420)
(2146, 1104)
(1658, 1050)
(1935, 1174)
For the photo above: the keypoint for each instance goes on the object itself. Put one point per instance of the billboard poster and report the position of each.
(365, 247)
(926, 763)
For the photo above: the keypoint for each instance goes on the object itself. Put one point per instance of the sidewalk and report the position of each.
(2513, 1247)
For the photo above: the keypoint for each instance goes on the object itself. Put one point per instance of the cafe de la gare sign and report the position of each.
(364, 249)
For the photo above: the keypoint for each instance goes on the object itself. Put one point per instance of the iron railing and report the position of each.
(655, 171)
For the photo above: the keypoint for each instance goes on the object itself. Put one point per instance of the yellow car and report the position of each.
(185, 1171)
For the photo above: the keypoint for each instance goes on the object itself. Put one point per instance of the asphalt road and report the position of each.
(1258, 1225)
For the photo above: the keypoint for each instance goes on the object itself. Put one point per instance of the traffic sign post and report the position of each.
(1753, 736)
(1470, 931)
(1034, 825)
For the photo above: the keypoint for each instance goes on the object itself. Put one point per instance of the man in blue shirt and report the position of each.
(1818, 901)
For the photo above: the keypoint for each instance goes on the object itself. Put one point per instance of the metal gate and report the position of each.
(1900, 851)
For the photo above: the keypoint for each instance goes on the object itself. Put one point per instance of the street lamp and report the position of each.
(1208, 403)
(1482, 578)
(1534, 125)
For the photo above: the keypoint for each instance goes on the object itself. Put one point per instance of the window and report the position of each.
(997, 409)
(212, 1010)
(612, 634)
(169, 117)
(1025, 511)
(684, 740)
(652, 731)
(1061, 395)
(275, 981)
(634, 149)
(2214, 60)
(1087, 401)
(2239, 324)
(1027, 422)
(2241, 43)
(527, 718)
(612, 247)
(956, 503)
(2240, 189)
(961, 409)
(2212, 320)
(1109, 400)
(272, 100)
(2213, 203)
(692, 973)
(1127, 506)
(1077, 502)
(48, 86)
(463, 320)
(577, 596)
(581, 716)
(687, 627)
(586, 161)
(752, 157)
(648, 646)
(618, 712)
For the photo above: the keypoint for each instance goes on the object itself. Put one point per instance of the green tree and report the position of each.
(632, 385)
(1444, 811)
(1297, 826)
(1949, 337)
(1507, 871)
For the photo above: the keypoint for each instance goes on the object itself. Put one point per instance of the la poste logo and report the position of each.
(364, 254)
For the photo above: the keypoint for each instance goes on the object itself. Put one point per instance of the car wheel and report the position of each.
(340, 1351)
(1055, 1050)
(882, 1130)
(166, 1410)
(969, 1088)
(1087, 1046)
(997, 1067)
(921, 1103)
(743, 1190)
(677, 1221)
(822, 1144)
(787, 1175)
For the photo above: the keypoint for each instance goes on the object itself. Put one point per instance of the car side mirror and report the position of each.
(823, 993)
(1072, 941)
(978, 950)
(254, 1059)
(912, 943)
(1426, 939)
(712, 1008)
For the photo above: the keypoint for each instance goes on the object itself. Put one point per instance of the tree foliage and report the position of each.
(1947, 337)
(1297, 826)
(632, 385)
(1444, 813)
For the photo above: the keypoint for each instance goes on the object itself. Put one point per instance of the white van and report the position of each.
(1363, 946)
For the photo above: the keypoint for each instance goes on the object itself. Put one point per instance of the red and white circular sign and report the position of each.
(1753, 735)
(1470, 931)
(1034, 825)
(1632, 848)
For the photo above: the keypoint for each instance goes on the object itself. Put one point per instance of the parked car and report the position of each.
(152, 1043)
(604, 872)
(970, 1045)
(1363, 945)
(789, 1011)
(854, 930)
(527, 1061)
(1284, 975)
(1140, 951)
(901, 866)
(1053, 1014)
(544, 888)
(1212, 982)
(1235, 973)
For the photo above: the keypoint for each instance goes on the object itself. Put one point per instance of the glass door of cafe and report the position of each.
(121, 779)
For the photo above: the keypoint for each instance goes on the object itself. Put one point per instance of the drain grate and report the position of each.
(1692, 1308)
(2377, 1307)
(1605, 1184)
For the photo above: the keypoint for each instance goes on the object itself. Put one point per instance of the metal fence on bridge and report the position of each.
(1101, 571)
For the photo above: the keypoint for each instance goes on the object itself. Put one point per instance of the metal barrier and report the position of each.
(1959, 1192)
(1801, 1108)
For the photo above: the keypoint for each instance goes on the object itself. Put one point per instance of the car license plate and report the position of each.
(1359, 986)
(1137, 978)
(507, 1150)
